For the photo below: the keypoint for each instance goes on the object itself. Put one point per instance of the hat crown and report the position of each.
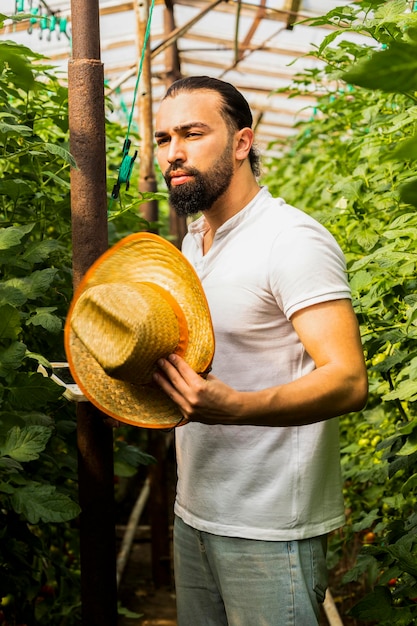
(127, 328)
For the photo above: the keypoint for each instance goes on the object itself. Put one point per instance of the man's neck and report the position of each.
(231, 203)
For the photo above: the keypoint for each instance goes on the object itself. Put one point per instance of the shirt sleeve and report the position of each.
(307, 267)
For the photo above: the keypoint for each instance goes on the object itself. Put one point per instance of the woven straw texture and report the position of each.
(140, 258)
(138, 324)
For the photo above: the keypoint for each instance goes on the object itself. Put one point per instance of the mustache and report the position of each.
(175, 167)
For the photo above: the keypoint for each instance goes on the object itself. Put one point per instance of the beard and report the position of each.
(202, 192)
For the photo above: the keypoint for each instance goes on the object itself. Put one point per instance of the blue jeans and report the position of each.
(227, 581)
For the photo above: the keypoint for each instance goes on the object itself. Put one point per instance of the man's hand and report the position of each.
(205, 400)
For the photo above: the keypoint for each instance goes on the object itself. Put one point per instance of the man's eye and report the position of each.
(161, 141)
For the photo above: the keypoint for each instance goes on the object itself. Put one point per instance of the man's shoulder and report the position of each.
(282, 218)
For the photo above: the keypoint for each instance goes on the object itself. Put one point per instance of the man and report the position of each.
(259, 483)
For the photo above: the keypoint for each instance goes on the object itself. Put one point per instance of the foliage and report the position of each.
(37, 493)
(351, 166)
(39, 552)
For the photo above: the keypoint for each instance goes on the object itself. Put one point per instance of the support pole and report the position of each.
(158, 509)
(172, 57)
(147, 179)
(89, 237)
(177, 225)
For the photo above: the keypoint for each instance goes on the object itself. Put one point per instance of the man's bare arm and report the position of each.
(338, 385)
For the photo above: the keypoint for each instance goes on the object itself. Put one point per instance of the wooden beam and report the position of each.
(247, 9)
(292, 6)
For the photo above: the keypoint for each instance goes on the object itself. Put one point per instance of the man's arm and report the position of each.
(339, 384)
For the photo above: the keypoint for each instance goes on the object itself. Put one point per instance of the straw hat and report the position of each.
(140, 301)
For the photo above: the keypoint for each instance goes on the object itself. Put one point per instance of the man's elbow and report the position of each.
(359, 392)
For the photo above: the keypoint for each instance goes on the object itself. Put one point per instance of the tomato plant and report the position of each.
(39, 535)
(351, 166)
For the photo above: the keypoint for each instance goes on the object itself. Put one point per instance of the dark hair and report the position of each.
(235, 109)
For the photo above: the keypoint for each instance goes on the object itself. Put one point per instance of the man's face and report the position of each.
(195, 150)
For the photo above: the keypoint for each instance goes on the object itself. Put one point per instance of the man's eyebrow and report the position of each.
(182, 127)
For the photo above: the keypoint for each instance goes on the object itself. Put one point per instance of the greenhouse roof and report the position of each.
(258, 46)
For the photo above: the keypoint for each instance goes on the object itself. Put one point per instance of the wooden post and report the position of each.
(159, 512)
(89, 236)
(147, 180)
(172, 57)
(177, 225)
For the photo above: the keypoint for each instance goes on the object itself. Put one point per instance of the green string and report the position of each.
(126, 166)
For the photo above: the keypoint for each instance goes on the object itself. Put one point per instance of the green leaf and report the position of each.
(408, 193)
(60, 181)
(404, 551)
(8, 419)
(43, 317)
(10, 237)
(376, 605)
(405, 150)
(124, 470)
(406, 390)
(367, 238)
(11, 357)
(127, 459)
(6, 487)
(363, 563)
(9, 294)
(410, 446)
(15, 129)
(409, 485)
(409, 427)
(9, 322)
(393, 69)
(39, 358)
(36, 284)
(10, 466)
(15, 188)
(33, 391)
(328, 39)
(37, 502)
(25, 444)
(121, 610)
(39, 251)
(361, 280)
(61, 152)
(18, 59)
(389, 12)
(366, 521)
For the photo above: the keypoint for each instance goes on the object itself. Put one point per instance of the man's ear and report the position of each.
(244, 141)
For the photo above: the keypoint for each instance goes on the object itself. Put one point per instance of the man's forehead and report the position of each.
(189, 106)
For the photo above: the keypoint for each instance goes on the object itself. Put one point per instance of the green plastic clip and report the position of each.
(125, 170)
(34, 11)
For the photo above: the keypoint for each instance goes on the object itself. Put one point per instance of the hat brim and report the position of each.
(138, 258)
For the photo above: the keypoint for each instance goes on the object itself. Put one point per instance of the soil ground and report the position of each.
(137, 592)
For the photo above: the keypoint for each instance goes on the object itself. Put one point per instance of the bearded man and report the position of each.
(259, 481)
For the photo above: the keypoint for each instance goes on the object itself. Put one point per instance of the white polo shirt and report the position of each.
(267, 262)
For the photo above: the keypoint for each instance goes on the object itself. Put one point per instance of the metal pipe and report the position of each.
(89, 240)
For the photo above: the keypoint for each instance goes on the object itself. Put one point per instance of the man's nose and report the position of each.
(176, 151)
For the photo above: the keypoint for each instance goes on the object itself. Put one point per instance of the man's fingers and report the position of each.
(178, 371)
